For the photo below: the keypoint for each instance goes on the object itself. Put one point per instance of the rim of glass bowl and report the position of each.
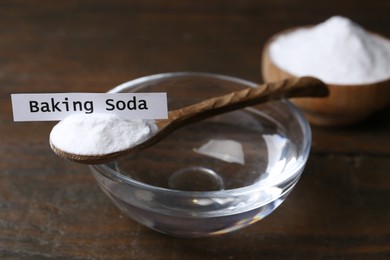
(294, 171)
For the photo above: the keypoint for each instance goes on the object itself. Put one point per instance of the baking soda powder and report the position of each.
(99, 134)
(337, 51)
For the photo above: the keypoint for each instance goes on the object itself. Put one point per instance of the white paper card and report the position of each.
(57, 106)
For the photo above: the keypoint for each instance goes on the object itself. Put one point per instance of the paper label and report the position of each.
(57, 106)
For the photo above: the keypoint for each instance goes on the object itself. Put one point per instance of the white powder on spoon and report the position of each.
(99, 134)
(336, 51)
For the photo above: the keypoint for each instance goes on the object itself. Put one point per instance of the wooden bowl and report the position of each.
(345, 105)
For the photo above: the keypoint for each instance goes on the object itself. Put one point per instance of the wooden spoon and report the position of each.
(298, 87)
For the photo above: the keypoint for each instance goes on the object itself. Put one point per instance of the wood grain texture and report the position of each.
(52, 209)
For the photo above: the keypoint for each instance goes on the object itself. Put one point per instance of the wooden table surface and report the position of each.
(51, 208)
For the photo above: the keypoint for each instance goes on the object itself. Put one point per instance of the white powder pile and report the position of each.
(336, 51)
(99, 134)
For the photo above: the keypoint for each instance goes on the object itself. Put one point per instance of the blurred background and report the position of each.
(52, 209)
(105, 43)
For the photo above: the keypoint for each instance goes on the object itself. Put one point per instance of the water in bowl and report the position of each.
(240, 149)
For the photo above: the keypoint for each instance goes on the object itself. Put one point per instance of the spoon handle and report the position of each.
(297, 87)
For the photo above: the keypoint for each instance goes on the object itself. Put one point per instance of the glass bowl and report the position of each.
(215, 176)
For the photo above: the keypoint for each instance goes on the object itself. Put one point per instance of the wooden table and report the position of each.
(53, 209)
